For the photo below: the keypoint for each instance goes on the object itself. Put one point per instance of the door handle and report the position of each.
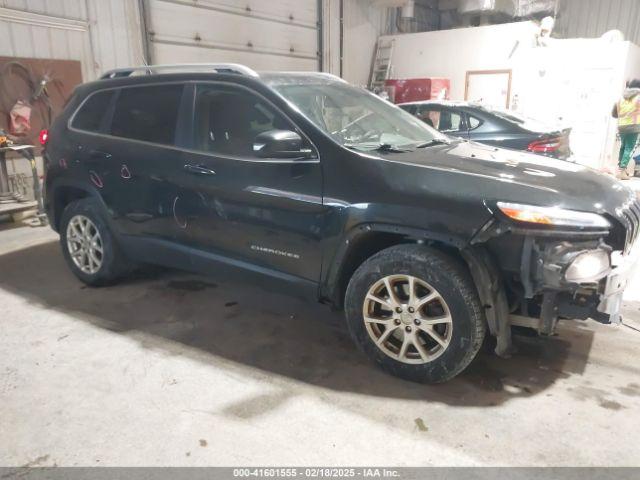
(199, 170)
(96, 154)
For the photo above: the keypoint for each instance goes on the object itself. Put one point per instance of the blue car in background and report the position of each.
(500, 128)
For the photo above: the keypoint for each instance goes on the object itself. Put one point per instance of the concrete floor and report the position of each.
(172, 369)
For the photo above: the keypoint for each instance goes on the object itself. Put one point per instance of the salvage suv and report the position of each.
(427, 242)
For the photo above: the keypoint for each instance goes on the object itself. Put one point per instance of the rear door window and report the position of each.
(442, 119)
(451, 121)
(92, 111)
(148, 113)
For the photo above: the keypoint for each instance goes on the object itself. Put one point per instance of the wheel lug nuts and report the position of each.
(408, 329)
(411, 310)
(396, 321)
(398, 309)
(416, 321)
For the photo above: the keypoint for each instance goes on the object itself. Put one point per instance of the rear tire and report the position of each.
(88, 245)
(432, 325)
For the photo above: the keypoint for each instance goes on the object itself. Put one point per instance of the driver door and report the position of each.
(266, 212)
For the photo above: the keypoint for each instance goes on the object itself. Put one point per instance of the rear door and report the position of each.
(90, 162)
(264, 211)
(142, 156)
(452, 122)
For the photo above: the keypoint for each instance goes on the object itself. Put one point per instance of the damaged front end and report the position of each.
(535, 266)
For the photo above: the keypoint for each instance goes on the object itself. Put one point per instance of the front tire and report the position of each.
(88, 245)
(416, 313)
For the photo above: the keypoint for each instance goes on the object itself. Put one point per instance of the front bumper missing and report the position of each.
(556, 298)
(616, 283)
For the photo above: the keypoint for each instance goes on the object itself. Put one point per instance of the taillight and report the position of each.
(546, 145)
(43, 137)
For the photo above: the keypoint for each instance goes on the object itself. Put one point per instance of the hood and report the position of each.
(629, 93)
(471, 170)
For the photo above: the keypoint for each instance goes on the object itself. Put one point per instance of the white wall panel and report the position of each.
(451, 53)
(279, 34)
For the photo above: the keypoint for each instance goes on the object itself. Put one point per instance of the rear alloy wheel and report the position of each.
(415, 312)
(88, 245)
(407, 319)
(84, 244)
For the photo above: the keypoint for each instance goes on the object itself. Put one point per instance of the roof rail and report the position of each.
(151, 69)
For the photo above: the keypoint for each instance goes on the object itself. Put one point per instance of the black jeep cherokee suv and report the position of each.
(426, 241)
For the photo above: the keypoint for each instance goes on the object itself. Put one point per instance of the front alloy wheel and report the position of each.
(415, 312)
(407, 319)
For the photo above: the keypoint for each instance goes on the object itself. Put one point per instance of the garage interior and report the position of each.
(168, 368)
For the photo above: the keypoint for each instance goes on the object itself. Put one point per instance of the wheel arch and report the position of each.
(365, 240)
(63, 193)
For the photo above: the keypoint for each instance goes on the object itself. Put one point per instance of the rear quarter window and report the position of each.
(91, 113)
(148, 113)
(474, 122)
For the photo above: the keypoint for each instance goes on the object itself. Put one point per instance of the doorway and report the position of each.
(489, 87)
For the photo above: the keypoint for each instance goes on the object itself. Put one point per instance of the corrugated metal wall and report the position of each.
(364, 21)
(592, 18)
(273, 35)
(99, 33)
(116, 33)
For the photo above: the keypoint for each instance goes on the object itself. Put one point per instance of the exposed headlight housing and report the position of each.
(588, 266)
(552, 216)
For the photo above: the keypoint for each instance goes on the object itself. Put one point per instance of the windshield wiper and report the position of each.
(387, 147)
(434, 142)
(381, 147)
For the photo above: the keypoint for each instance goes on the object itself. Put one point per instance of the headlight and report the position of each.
(588, 266)
(552, 216)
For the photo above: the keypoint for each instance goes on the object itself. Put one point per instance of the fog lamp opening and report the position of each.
(588, 267)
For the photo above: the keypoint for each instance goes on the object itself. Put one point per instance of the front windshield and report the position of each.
(358, 119)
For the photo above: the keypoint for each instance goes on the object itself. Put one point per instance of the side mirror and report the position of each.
(280, 144)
